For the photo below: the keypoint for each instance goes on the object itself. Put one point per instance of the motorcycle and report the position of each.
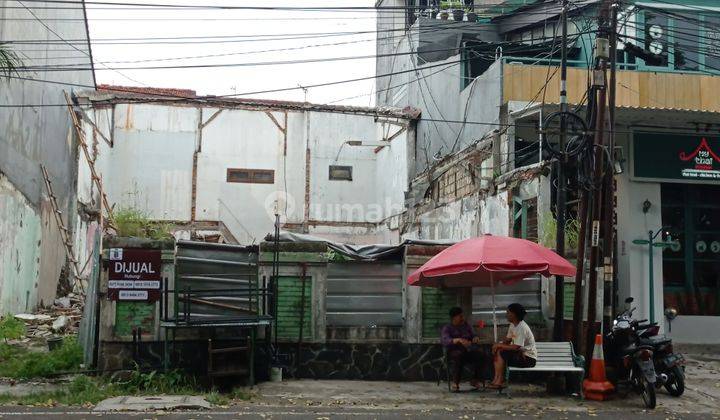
(668, 364)
(632, 359)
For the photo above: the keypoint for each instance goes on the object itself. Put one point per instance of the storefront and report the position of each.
(675, 184)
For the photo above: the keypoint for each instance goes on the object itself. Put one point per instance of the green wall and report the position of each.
(289, 299)
(436, 304)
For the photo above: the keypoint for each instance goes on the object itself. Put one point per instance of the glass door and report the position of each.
(691, 268)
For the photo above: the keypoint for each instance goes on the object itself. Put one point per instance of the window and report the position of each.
(656, 37)
(681, 41)
(525, 220)
(340, 173)
(691, 265)
(686, 34)
(251, 176)
(712, 43)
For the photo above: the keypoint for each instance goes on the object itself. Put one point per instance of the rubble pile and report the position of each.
(62, 318)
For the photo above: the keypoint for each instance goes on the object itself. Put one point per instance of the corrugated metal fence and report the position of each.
(363, 294)
(526, 292)
(207, 266)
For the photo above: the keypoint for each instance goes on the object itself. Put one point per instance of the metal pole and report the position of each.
(492, 288)
(302, 316)
(561, 193)
(651, 277)
(580, 275)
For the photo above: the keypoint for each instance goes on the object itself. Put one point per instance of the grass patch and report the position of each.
(11, 328)
(136, 223)
(20, 363)
(82, 390)
(87, 391)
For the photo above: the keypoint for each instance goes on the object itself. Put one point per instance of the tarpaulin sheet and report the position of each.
(357, 252)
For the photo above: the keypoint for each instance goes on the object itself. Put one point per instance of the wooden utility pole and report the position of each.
(597, 213)
(609, 255)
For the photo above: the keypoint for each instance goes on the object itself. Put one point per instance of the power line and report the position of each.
(174, 6)
(238, 38)
(263, 51)
(72, 67)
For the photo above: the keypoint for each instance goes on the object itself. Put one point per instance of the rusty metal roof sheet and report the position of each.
(107, 94)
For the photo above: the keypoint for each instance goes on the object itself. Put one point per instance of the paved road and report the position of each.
(267, 413)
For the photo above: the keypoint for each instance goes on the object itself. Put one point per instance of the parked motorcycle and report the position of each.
(632, 359)
(668, 364)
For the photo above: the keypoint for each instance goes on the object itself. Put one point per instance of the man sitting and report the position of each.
(462, 348)
(518, 349)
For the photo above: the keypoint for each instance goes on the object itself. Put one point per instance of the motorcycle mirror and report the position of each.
(629, 300)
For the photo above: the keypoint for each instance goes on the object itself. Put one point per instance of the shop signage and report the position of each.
(134, 274)
(661, 156)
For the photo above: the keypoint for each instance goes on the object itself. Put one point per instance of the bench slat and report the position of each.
(549, 369)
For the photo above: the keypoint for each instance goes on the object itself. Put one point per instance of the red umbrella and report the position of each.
(482, 261)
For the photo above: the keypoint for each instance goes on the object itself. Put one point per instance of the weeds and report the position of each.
(549, 232)
(11, 328)
(84, 390)
(136, 223)
(171, 382)
(20, 363)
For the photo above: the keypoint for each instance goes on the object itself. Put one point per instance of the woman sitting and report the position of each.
(518, 348)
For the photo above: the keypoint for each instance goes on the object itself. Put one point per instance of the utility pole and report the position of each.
(560, 202)
(609, 255)
(599, 177)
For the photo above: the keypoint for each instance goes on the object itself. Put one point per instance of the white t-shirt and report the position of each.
(521, 335)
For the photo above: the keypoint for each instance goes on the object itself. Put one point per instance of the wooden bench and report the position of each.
(554, 357)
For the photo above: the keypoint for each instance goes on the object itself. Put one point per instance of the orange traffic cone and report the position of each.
(597, 387)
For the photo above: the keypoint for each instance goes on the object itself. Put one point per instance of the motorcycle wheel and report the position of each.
(675, 386)
(647, 392)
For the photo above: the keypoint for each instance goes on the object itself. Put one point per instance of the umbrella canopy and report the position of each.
(481, 261)
(486, 260)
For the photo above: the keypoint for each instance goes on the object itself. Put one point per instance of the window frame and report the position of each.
(255, 176)
(340, 168)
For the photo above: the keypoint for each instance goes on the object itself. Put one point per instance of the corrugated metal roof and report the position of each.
(119, 94)
(636, 108)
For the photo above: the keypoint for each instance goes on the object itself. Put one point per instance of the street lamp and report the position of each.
(650, 242)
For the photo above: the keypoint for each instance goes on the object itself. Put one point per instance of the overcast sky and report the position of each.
(247, 24)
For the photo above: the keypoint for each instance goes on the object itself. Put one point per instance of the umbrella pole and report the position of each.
(492, 290)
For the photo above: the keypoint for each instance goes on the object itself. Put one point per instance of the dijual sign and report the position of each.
(134, 274)
(661, 156)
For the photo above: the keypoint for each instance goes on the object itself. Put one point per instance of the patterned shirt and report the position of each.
(450, 332)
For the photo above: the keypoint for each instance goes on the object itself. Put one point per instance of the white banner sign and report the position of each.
(133, 295)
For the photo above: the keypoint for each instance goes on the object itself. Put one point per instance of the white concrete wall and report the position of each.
(150, 164)
(633, 261)
(150, 168)
(342, 201)
(19, 250)
(31, 252)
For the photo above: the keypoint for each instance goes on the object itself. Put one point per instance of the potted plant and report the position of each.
(444, 6)
(471, 15)
(458, 15)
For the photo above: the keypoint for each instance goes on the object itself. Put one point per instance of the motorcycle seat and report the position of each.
(655, 341)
